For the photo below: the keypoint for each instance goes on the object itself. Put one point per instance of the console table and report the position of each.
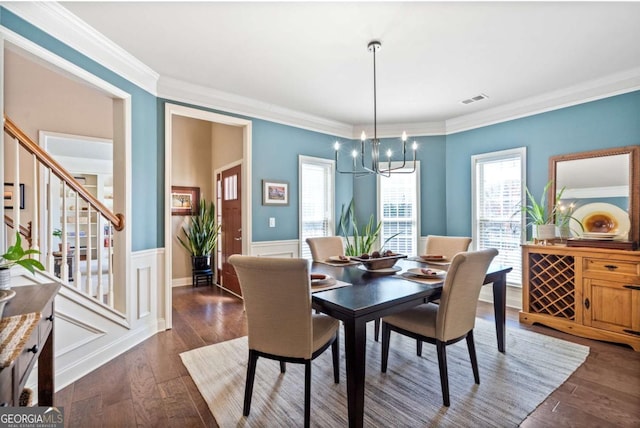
(588, 292)
(33, 309)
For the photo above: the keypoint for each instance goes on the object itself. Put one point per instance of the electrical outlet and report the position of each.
(272, 222)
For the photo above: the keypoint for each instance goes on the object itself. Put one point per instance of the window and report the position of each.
(497, 190)
(398, 211)
(316, 200)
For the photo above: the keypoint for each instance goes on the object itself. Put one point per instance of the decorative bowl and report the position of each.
(380, 262)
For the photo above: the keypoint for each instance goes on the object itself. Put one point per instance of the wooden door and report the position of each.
(231, 221)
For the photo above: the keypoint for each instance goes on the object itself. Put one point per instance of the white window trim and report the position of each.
(418, 202)
(503, 154)
(498, 155)
(302, 159)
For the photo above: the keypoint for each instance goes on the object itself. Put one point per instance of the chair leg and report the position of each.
(335, 352)
(419, 348)
(386, 336)
(442, 364)
(307, 393)
(472, 355)
(283, 367)
(376, 329)
(251, 374)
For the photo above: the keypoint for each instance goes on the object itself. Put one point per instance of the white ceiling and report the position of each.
(312, 57)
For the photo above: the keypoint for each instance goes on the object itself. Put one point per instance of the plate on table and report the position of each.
(434, 258)
(427, 273)
(318, 279)
(392, 269)
(600, 221)
(339, 259)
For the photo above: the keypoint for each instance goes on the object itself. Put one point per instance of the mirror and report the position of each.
(601, 189)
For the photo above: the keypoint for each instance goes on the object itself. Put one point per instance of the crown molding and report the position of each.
(592, 90)
(190, 93)
(395, 130)
(58, 22)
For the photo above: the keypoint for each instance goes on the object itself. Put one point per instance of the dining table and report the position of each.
(372, 295)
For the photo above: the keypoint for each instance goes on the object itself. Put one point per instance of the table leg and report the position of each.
(355, 336)
(500, 308)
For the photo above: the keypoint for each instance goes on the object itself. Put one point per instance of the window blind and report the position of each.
(398, 196)
(316, 201)
(498, 193)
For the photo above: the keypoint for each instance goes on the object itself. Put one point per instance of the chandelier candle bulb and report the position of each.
(336, 146)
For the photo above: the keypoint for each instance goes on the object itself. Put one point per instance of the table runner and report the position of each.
(14, 332)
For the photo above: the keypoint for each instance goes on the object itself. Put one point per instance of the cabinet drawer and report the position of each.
(600, 268)
(27, 358)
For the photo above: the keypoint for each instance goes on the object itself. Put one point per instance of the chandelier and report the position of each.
(370, 161)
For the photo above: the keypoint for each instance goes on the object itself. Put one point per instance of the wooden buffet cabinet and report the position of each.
(37, 346)
(589, 292)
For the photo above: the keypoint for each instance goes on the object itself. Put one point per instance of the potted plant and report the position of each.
(201, 236)
(16, 255)
(541, 218)
(362, 240)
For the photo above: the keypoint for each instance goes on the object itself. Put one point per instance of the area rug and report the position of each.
(511, 386)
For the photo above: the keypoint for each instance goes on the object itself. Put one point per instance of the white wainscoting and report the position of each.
(88, 334)
(288, 248)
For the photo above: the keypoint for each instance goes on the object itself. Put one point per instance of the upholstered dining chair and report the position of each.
(448, 246)
(324, 247)
(281, 326)
(450, 321)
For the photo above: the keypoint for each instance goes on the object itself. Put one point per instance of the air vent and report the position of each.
(472, 100)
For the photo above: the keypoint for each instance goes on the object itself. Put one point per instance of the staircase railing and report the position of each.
(25, 231)
(86, 225)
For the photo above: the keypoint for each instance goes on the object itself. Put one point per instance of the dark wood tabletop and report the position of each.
(374, 295)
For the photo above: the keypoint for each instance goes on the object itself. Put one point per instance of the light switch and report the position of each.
(272, 222)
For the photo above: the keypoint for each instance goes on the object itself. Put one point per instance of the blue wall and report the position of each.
(146, 224)
(606, 123)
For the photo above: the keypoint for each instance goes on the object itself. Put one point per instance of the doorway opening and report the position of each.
(174, 114)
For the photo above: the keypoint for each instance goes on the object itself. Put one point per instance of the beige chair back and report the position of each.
(460, 292)
(448, 246)
(277, 299)
(324, 247)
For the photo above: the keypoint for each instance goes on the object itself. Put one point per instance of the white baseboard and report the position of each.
(181, 282)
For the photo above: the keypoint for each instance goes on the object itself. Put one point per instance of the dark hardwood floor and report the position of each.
(148, 386)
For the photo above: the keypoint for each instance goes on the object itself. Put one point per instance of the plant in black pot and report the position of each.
(201, 236)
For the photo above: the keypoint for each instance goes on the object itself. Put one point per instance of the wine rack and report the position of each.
(551, 285)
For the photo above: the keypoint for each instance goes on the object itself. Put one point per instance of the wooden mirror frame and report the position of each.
(634, 180)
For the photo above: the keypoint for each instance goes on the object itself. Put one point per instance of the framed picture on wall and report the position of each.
(185, 200)
(10, 196)
(275, 192)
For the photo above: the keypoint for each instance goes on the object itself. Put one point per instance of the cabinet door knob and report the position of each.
(587, 303)
(33, 349)
(611, 267)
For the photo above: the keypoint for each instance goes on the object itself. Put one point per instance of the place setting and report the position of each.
(432, 259)
(323, 282)
(426, 275)
(340, 261)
